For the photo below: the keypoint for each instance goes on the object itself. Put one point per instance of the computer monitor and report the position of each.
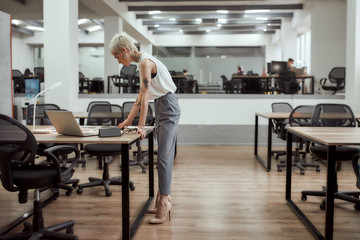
(278, 67)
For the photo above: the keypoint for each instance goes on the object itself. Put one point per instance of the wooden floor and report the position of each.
(219, 192)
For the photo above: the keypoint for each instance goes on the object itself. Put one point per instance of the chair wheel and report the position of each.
(143, 171)
(357, 206)
(68, 193)
(303, 197)
(108, 193)
(79, 191)
(323, 205)
(132, 187)
(302, 172)
(74, 185)
(279, 169)
(318, 169)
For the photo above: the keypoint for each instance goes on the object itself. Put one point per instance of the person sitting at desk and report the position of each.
(240, 71)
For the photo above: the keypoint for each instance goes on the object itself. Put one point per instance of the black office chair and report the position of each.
(94, 103)
(226, 84)
(126, 80)
(39, 73)
(19, 81)
(332, 115)
(83, 83)
(336, 80)
(252, 86)
(96, 85)
(235, 85)
(139, 154)
(286, 83)
(299, 117)
(19, 173)
(278, 123)
(356, 168)
(104, 151)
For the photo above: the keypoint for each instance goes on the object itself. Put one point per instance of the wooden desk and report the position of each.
(271, 116)
(330, 137)
(125, 140)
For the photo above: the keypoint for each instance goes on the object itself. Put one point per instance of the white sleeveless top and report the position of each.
(162, 83)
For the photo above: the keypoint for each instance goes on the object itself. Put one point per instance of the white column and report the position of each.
(352, 79)
(288, 40)
(328, 37)
(61, 52)
(146, 48)
(112, 26)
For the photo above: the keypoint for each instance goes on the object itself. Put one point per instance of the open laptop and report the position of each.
(298, 71)
(65, 123)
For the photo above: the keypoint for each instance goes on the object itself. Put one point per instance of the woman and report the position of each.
(155, 83)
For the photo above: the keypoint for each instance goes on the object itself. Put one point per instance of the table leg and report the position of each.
(269, 145)
(267, 164)
(330, 189)
(256, 135)
(125, 191)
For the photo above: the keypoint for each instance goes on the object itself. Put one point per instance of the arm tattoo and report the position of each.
(146, 83)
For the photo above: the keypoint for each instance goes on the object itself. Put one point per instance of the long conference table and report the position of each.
(128, 230)
(270, 116)
(331, 137)
(268, 80)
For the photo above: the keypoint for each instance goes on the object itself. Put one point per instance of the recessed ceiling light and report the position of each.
(154, 12)
(223, 11)
(264, 29)
(35, 28)
(208, 30)
(219, 25)
(15, 21)
(172, 19)
(222, 20)
(94, 28)
(156, 25)
(257, 11)
(262, 18)
(82, 21)
(199, 20)
(180, 30)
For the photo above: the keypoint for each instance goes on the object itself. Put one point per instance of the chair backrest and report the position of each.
(17, 147)
(281, 107)
(39, 73)
(287, 83)
(19, 81)
(337, 76)
(127, 106)
(301, 116)
(41, 118)
(114, 119)
(96, 102)
(333, 115)
(127, 71)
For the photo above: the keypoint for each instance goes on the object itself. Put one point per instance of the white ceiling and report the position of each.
(187, 15)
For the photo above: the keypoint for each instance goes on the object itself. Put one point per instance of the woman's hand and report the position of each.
(124, 124)
(142, 131)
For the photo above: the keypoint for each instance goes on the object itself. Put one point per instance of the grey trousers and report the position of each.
(167, 115)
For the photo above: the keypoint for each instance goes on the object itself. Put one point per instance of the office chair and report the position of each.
(299, 117)
(235, 84)
(126, 80)
(83, 83)
(94, 103)
(332, 115)
(356, 168)
(104, 151)
(39, 73)
(287, 83)
(19, 173)
(19, 81)
(336, 80)
(277, 123)
(150, 120)
(226, 84)
(252, 86)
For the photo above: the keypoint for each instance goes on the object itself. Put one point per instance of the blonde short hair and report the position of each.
(120, 41)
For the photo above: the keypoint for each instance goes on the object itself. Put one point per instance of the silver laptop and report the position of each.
(65, 123)
(298, 71)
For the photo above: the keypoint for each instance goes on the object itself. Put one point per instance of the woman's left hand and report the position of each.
(142, 131)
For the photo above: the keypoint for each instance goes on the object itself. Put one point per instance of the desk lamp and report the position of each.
(43, 91)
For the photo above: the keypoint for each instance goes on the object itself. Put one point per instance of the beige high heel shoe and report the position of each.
(163, 218)
(154, 210)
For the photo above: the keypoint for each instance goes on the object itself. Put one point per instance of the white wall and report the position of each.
(22, 54)
(328, 36)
